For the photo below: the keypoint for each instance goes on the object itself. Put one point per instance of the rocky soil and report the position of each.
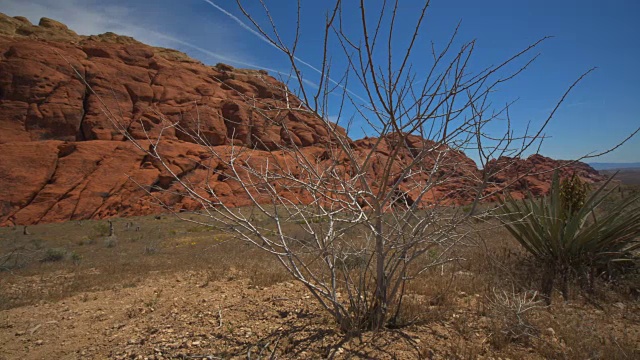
(184, 316)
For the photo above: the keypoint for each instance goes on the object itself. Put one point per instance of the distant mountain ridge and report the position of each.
(611, 166)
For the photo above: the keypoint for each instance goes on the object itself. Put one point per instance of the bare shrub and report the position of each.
(19, 256)
(511, 313)
(151, 248)
(24, 253)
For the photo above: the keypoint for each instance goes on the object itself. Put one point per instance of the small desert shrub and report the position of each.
(53, 255)
(38, 244)
(267, 274)
(110, 241)
(152, 303)
(151, 248)
(86, 241)
(299, 235)
(14, 259)
(76, 258)
(430, 298)
(313, 220)
(101, 229)
(21, 255)
(467, 209)
(511, 314)
(567, 238)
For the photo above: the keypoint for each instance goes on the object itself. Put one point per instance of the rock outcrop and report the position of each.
(534, 173)
(62, 152)
(145, 88)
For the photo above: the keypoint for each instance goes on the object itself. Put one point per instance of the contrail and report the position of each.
(228, 59)
(257, 34)
(261, 37)
(240, 22)
(213, 54)
(205, 51)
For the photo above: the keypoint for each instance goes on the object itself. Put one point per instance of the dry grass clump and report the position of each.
(511, 315)
(575, 333)
(266, 274)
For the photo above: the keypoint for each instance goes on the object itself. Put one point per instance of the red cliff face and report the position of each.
(535, 173)
(144, 87)
(62, 158)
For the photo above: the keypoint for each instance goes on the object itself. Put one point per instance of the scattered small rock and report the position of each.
(551, 332)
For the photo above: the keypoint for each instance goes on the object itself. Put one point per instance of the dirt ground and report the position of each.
(192, 295)
(184, 317)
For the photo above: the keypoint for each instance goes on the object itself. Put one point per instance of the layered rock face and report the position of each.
(63, 155)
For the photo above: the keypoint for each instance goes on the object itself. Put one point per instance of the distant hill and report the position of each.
(611, 166)
(629, 176)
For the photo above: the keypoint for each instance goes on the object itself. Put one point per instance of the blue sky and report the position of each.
(600, 112)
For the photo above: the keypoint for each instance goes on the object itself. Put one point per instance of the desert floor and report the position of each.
(162, 288)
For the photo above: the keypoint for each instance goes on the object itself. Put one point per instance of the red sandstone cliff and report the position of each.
(61, 158)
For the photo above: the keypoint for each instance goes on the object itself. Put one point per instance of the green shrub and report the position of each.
(101, 230)
(76, 258)
(53, 254)
(110, 241)
(38, 244)
(565, 235)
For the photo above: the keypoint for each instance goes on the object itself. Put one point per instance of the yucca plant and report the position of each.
(571, 238)
(573, 193)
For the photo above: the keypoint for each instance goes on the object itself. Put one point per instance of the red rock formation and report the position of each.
(63, 156)
(534, 174)
(457, 172)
